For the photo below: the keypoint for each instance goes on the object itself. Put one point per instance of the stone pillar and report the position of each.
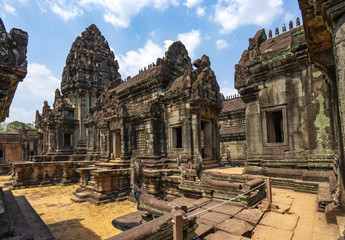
(339, 51)
(51, 139)
(196, 135)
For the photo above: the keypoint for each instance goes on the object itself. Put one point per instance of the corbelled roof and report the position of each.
(9, 138)
(233, 104)
(90, 64)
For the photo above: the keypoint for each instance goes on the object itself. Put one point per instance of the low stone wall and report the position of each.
(44, 173)
(238, 152)
(4, 169)
(159, 228)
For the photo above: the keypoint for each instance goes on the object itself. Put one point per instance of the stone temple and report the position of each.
(151, 138)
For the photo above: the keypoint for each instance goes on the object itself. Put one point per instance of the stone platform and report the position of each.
(25, 174)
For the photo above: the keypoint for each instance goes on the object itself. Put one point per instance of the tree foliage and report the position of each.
(15, 126)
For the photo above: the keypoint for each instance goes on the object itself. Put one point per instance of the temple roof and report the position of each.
(233, 104)
(9, 138)
(232, 129)
(90, 64)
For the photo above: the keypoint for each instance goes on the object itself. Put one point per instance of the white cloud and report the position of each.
(288, 17)
(132, 61)
(21, 114)
(200, 11)
(8, 8)
(228, 91)
(191, 40)
(221, 44)
(38, 86)
(120, 12)
(231, 14)
(65, 9)
(66, 13)
(192, 3)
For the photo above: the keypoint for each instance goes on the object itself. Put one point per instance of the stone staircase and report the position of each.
(209, 163)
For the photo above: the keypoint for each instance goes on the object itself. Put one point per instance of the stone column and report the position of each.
(339, 51)
(196, 134)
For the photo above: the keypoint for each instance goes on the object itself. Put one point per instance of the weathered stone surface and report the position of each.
(250, 215)
(236, 227)
(228, 208)
(262, 232)
(90, 64)
(213, 218)
(159, 228)
(13, 65)
(204, 229)
(285, 105)
(280, 221)
(127, 221)
(220, 235)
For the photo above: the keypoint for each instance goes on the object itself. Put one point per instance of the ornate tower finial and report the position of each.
(290, 25)
(277, 31)
(270, 33)
(298, 22)
(284, 28)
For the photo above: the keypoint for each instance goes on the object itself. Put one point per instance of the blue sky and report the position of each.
(139, 31)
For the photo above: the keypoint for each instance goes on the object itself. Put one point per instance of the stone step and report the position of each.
(82, 194)
(36, 224)
(216, 165)
(78, 200)
(121, 199)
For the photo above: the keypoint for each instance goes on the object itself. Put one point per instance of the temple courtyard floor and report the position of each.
(69, 220)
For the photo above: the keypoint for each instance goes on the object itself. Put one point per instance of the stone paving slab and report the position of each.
(201, 202)
(220, 235)
(250, 215)
(281, 207)
(183, 201)
(198, 210)
(262, 232)
(212, 218)
(281, 221)
(235, 227)
(204, 229)
(227, 208)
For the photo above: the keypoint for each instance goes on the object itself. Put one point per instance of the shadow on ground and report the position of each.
(72, 229)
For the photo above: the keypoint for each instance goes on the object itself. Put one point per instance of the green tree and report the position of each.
(15, 126)
(3, 127)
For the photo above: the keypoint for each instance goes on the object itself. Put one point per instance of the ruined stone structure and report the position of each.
(289, 115)
(18, 147)
(324, 24)
(13, 65)
(168, 109)
(165, 111)
(90, 67)
(233, 146)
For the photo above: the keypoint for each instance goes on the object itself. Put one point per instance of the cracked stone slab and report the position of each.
(212, 218)
(220, 235)
(280, 221)
(250, 215)
(227, 208)
(204, 229)
(262, 232)
(235, 227)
